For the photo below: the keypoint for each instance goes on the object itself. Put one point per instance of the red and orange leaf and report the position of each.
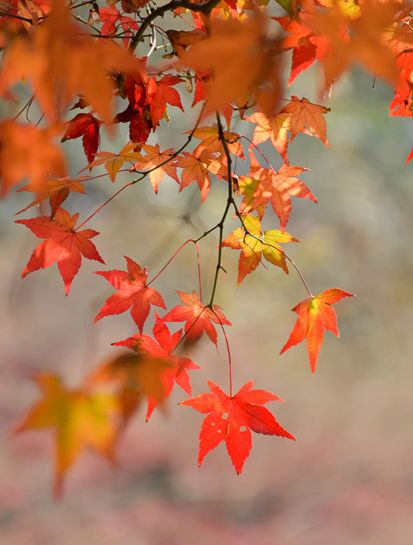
(232, 418)
(160, 93)
(277, 188)
(62, 245)
(80, 418)
(307, 117)
(28, 152)
(142, 372)
(315, 314)
(56, 190)
(111, 18)
(198, 318)
(255, 244)
(178, 372)
(132, 293)
(86, 126)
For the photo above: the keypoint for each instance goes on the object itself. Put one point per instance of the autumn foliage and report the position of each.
(90, 66)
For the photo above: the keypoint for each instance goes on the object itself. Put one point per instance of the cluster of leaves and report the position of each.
(226, 57)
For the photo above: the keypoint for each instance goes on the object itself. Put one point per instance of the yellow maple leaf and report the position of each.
(80, 418)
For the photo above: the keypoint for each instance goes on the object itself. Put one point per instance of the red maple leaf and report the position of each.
(231, 419)
(63, 245)
(86, 126)
(178, 372)
(198, 317)
(132, 292)
(315, 314)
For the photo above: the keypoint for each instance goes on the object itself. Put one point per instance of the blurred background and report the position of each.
(348, 480)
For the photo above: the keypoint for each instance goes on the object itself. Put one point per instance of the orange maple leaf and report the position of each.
(275, 128)
(136, 374)
(194, 169)
(56, 190)
(307, 117)
(315, 314)
(242, 61)
(28, 152)
(61, 61)
(277, 188)
(358, 37)
(158, 163)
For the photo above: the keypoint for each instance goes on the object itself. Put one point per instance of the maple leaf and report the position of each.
(242, 61)
(277, 188)
(61, 61)
(160, 93)
(358, 38)
(274, 128)
(27, 151)
(211, 150)
(110, 17)
(198, 317)
(306, 117)
(253, 249)
(80, 418)
(56, 190)
(306, 46)
(315, 314)
(231, 419)
(157, 163)
(63, 245)
(132, 293)
(194, 169)
(113, 162)
(141, 372)
(86, 126)
(178, 372)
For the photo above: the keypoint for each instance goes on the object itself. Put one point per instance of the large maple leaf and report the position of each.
(80, 418)
(63, 245)
(242, 61)
(315, 314)
(232, 418)
(358, 37)
(255, 244)
(198, 318)
(61, 61)
(132, 293)
(28, 152)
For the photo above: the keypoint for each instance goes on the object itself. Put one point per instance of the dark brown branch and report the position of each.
(203, 7)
